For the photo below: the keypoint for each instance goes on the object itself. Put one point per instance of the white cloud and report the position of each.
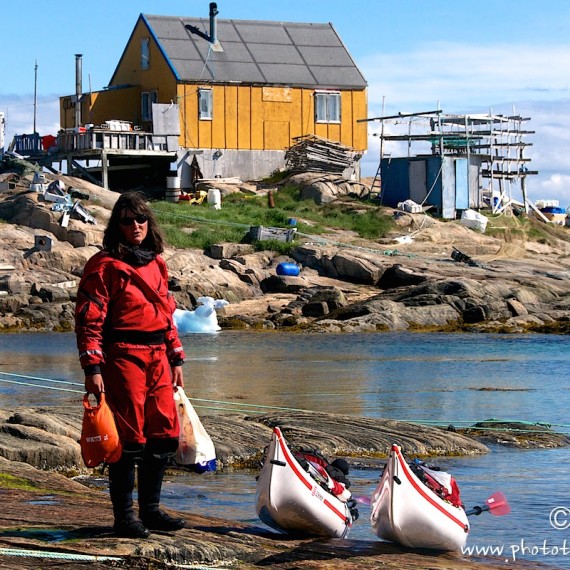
(459, 76)
(503, 78)
(557, 185)
(19, 115)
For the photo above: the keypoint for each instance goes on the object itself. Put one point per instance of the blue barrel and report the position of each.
(287, 268)
(291, 222)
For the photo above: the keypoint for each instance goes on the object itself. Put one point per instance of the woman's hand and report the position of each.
(94, 384)
(177, 376)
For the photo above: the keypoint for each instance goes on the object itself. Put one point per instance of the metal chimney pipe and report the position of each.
(78, 88)
(213, 23)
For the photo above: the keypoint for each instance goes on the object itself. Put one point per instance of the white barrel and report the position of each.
(214, 198)
(172, 188)
(172, 194)
(173, 182)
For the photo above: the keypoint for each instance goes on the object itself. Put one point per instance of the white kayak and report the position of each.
(406, 511)
(290, 500)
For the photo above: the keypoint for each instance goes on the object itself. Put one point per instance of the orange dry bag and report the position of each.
(99, 437)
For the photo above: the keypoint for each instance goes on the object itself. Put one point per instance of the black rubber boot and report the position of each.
(151, 474)
(121, 486)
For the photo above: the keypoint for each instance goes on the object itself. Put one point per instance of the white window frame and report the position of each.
(327, 107)
(205, 104)
(147, 99)
(145, 53)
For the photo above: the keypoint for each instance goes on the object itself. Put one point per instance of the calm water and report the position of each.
(432, 378)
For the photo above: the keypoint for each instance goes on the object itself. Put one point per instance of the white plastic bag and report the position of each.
(195, 447)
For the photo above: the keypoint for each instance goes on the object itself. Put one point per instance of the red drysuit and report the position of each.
(134, 342)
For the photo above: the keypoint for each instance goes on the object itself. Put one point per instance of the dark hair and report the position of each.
(136, 203)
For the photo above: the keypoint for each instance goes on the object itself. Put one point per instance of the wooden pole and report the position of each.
(35, 94)
(523, 179)
(104, 170)
(382, 132)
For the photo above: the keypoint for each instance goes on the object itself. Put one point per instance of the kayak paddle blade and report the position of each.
(497, 504)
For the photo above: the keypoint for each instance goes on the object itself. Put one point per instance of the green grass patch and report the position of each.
(199, 226)
(276, 177)
(10, 482)
(281, 247)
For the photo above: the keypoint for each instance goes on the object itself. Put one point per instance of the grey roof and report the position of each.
(258, 52)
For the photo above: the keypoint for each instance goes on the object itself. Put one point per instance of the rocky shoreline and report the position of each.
(48, 513)
(345, 284)
(48, 439)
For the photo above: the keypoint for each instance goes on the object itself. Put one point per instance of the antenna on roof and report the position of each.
(213, 37)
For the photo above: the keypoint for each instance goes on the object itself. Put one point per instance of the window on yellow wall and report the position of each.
(327, 107)
(205, 104)
(147, 99)
(145, 53)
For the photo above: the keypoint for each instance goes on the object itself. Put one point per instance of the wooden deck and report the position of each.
(104, 146)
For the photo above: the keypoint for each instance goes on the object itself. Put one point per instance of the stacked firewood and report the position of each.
(315, 154)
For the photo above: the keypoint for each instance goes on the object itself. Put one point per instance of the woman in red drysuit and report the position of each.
(129, 348)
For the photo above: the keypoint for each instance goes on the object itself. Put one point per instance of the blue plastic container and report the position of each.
(291, 222)
(553, 210)
(287, 268)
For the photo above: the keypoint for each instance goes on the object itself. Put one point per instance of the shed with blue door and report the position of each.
(450, 184)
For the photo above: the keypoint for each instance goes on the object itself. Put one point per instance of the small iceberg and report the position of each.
(203, 319)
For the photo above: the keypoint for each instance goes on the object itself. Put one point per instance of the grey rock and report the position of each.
(13, 303)
(355, 269)
(50, 293)
(229, 250)
(332, 296)
(516, 307)
(38, 447)
(325, 188)
(16, 284)
(399, 276)
(475, 314)
(282, 284)
(315, 309)
(79, 518)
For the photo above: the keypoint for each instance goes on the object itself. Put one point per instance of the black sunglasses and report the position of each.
(140, 219)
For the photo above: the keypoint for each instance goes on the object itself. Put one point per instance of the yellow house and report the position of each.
(236, 93)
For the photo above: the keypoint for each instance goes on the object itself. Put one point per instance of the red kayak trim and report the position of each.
(293, 464)
(422, 491)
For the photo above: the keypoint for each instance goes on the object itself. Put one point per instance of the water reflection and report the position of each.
(445, 378)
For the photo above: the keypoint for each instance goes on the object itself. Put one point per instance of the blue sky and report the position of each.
(504, 56)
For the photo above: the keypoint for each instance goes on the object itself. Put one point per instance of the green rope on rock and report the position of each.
(24, 553)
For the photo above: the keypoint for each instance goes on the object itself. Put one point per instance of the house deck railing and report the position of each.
(93, 140)
(27, 145)
(114, 140)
